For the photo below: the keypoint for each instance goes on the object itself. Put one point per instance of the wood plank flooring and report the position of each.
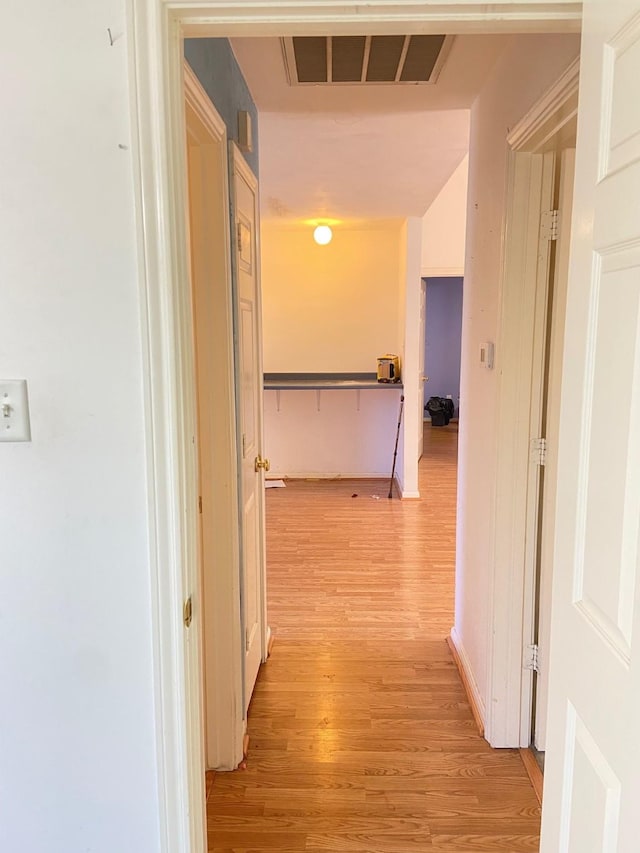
(362, 740)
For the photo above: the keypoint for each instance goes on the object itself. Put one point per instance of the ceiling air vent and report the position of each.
(339, 60)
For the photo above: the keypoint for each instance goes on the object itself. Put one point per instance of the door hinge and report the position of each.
(531, 658)
(247, 639)
(244, 445)
(187, 612)
(549, 225)
(539, 451)
(200, 504)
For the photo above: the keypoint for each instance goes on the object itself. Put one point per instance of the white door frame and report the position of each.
(221, 622)
(156, 29)
(520, 343)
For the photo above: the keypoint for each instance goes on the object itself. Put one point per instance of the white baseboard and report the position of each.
(404, 495)
(466, 674)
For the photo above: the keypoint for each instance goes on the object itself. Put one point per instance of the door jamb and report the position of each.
(510, 622)
(224, 724)
(157, 29)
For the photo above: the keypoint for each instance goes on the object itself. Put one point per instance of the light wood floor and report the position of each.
(362, 740)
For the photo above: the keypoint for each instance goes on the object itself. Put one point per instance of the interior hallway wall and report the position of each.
(528, 66)
(78, 766)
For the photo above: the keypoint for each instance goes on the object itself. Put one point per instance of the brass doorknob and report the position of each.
(261, 463)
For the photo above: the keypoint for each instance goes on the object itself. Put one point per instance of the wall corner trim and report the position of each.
(545, 118)
(463, 664)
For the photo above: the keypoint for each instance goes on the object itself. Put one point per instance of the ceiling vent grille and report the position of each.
(340, 60)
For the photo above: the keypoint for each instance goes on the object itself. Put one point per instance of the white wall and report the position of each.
(444, 227)
(340, 434)
(77, 743)
(526, 69)
(329, 308)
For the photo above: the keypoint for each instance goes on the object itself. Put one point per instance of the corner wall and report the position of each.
(444, 227)
(528, 66)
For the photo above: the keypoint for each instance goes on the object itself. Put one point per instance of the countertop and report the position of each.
(326, 382)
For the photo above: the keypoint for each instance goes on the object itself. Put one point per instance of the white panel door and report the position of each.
(592, 779)
(249, 369)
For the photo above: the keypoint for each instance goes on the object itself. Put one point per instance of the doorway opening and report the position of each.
(532, 334)
(166, 171)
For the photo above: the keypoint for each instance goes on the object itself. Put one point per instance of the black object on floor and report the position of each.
(440, 410)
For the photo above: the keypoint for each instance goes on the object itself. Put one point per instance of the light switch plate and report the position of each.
(14, 410)
(486, 355)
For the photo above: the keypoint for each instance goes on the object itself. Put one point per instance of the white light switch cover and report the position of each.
(14, 410)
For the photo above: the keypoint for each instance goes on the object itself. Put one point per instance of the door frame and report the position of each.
(220, 588)
(239, 166)
(521, 333)
(156, 29)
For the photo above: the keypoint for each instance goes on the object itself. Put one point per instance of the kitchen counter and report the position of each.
(326, 382)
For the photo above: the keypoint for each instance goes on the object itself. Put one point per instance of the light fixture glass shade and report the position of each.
(322, 235)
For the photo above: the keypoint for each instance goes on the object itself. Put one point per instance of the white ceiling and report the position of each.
(359, 152)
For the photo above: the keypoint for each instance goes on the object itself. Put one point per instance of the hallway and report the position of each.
(362, 740)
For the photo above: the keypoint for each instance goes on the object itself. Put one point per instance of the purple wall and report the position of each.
(443, 338)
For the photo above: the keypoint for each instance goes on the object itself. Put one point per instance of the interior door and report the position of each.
(250, 382)
(592, 779)
(422, 378)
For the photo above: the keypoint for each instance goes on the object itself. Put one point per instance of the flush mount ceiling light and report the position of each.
(322, 235)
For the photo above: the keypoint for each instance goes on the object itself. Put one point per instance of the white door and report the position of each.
(249, 370)
(592, 778)
(422, 379)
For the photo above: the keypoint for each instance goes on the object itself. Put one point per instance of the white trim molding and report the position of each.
(221, 629)
(557, 107)
(520, 336)
(284, 17)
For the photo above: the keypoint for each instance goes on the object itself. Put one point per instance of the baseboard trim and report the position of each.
(533, 771)
(468, 681)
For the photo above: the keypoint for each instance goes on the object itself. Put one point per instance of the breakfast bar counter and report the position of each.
(326, 382)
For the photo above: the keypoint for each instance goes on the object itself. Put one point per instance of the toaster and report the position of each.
(388, 368)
